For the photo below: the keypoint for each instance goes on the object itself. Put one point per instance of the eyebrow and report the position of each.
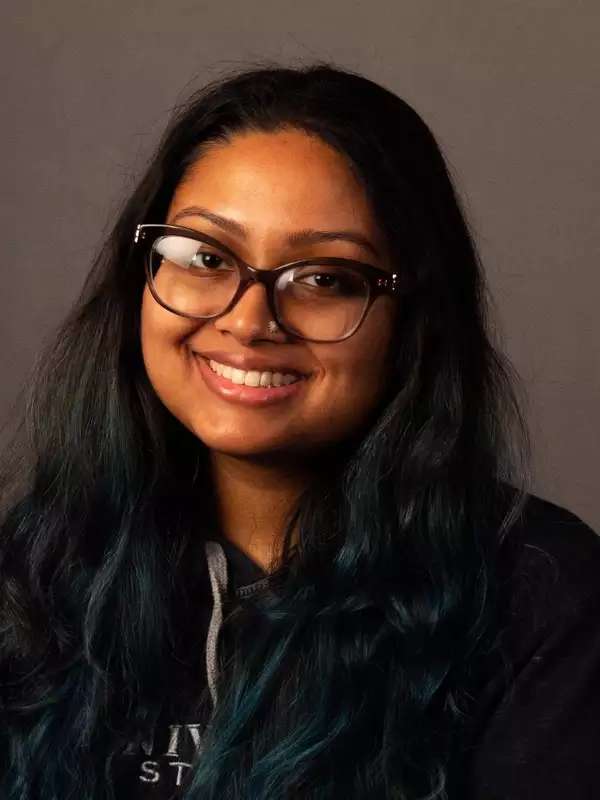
(301, 237)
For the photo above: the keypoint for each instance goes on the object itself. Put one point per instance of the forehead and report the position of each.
(285, 178)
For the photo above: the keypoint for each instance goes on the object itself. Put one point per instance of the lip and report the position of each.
(242, 394)
(251, 362)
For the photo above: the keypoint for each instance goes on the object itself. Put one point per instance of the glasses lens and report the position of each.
(322, 302)
(192, 277)
(317, 302)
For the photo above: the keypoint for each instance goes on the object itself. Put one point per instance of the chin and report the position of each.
(239, 445)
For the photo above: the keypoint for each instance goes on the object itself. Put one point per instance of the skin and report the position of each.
(261, 458)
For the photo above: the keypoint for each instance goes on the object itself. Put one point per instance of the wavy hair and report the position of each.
(357, 681)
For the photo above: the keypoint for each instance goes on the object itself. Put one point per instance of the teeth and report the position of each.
(252, 377)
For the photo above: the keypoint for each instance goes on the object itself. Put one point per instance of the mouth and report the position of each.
(249, 387)
(264, 378)
(254, 362)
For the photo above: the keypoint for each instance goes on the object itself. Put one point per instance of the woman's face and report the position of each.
(273, 184)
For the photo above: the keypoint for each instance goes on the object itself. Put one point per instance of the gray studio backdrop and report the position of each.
(509, 88)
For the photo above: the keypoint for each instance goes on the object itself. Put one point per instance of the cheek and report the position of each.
(161, 338)
(152, 334)
(366, 353)
(355, 389)
(356, 372)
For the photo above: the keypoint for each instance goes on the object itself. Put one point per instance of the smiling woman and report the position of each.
(273, 537)
(266, 182)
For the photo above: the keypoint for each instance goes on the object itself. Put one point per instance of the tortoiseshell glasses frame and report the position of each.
(378, 281)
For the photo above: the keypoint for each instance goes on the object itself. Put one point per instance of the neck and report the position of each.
(254, 499)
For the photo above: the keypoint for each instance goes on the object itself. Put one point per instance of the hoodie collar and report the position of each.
(245, 575)
(228, 567)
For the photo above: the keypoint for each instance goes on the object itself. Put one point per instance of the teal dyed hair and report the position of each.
(354, 681)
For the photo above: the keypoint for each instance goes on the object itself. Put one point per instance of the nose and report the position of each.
(249, 318)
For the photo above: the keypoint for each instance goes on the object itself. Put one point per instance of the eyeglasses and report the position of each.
(318, 299)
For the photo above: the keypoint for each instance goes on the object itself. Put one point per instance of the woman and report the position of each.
(273, 536)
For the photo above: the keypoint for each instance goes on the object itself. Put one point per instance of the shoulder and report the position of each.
(551, 559)
(548, 578)
(536, 721)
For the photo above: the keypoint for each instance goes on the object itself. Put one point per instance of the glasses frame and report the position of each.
(379, 281)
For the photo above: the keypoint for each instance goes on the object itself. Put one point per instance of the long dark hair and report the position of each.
(358, 685)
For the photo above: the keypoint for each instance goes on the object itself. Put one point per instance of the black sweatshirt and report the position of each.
(538, 739)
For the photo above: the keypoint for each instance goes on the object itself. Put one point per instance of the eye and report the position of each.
(191, 254)
(323, 280)
(206, 258)
(329, 280)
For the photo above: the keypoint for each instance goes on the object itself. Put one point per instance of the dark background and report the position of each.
(510, 89)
